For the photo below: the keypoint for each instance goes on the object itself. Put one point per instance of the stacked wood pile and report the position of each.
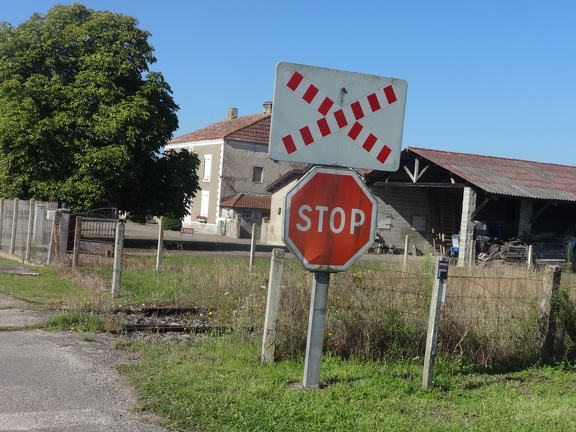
(547, 249)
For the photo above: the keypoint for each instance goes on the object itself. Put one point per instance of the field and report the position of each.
(488, 377)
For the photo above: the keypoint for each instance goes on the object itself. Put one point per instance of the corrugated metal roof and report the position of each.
(503, 176)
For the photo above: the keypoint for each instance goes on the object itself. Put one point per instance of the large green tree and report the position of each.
(84, 120)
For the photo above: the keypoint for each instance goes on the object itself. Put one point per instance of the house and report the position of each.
(437, 197)
(234, 172)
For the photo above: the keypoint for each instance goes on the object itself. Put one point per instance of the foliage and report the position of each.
(172, 223)
(84, 120)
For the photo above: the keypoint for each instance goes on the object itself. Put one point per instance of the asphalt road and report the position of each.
(62, 381)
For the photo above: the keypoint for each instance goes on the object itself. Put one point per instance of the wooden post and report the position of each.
(253, 247)
(466, 247)
(30, 230)
(272, 306)
(118, 249)
(159, 253)
(547, 314)
(77, 237)
(434, 320)
(316, 327)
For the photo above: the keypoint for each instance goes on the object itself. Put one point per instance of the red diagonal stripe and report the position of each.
(325, 106)
(306, 135)
(390, 95)
(294, 81)
(340, 119)
(355, 130)
(369, 143)
(289, 144)
(373, 101)
(357, 110)
(310, 93)
(384, 153)
(323, 127)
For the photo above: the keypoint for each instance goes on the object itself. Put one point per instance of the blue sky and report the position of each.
(492, 77)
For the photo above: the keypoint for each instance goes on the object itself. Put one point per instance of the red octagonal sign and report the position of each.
(329, 219)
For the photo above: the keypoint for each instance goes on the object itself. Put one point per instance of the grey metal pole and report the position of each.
(316, 327)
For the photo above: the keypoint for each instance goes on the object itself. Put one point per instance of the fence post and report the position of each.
(160, 243)
(405, 252)
(1, 220)
(252, 247)
(14, 227)
(77, 237)
(30, 232)
(547, 313)
(272, 306)
(530, 256)
(118, 249)
(434, 320)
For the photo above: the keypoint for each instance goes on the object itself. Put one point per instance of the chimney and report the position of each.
(232, 113)
(267, 107)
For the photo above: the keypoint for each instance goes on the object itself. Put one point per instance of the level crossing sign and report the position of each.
(337, 118)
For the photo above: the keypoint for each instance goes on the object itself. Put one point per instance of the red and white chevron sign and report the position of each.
(337, 118)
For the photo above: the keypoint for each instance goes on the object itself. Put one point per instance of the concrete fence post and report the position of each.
(272, 306)
(118, 250)
(77, 237)
(547, 313)
(30, 232)
(14, 227)
(160, 251)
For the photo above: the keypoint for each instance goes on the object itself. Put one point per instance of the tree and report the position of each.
(83, 119)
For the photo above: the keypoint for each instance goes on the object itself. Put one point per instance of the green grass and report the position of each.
(46, 289)
(216, 383)
(220, 386)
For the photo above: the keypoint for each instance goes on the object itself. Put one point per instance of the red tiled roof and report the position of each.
(250, 128)
(505, 176)
(248, 201)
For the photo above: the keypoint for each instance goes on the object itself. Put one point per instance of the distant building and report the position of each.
(234, 172)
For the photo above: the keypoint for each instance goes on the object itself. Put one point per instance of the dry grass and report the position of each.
(376, 309)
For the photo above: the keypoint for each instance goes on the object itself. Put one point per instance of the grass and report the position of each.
(48, 289)
(372, 367)
(219, 385)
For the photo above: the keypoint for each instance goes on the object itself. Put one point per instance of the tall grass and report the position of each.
(376, 310)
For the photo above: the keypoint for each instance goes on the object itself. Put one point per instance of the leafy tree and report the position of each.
(83, 119)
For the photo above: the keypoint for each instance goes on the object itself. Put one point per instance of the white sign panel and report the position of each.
(337, 118)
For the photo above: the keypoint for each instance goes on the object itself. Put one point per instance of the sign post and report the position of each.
(330, 220)
(342, 120)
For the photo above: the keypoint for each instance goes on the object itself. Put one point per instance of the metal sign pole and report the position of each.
(316, 327)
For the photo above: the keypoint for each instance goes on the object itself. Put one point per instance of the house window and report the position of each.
(247, 214)
(207, 168)
(257, 174)
(204, 203)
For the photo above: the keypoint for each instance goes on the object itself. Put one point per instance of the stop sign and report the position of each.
(329, 219)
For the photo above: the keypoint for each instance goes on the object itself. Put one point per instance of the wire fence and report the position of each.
(26, 228)
(378, 307)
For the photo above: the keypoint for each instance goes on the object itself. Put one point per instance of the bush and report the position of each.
(172, 223)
